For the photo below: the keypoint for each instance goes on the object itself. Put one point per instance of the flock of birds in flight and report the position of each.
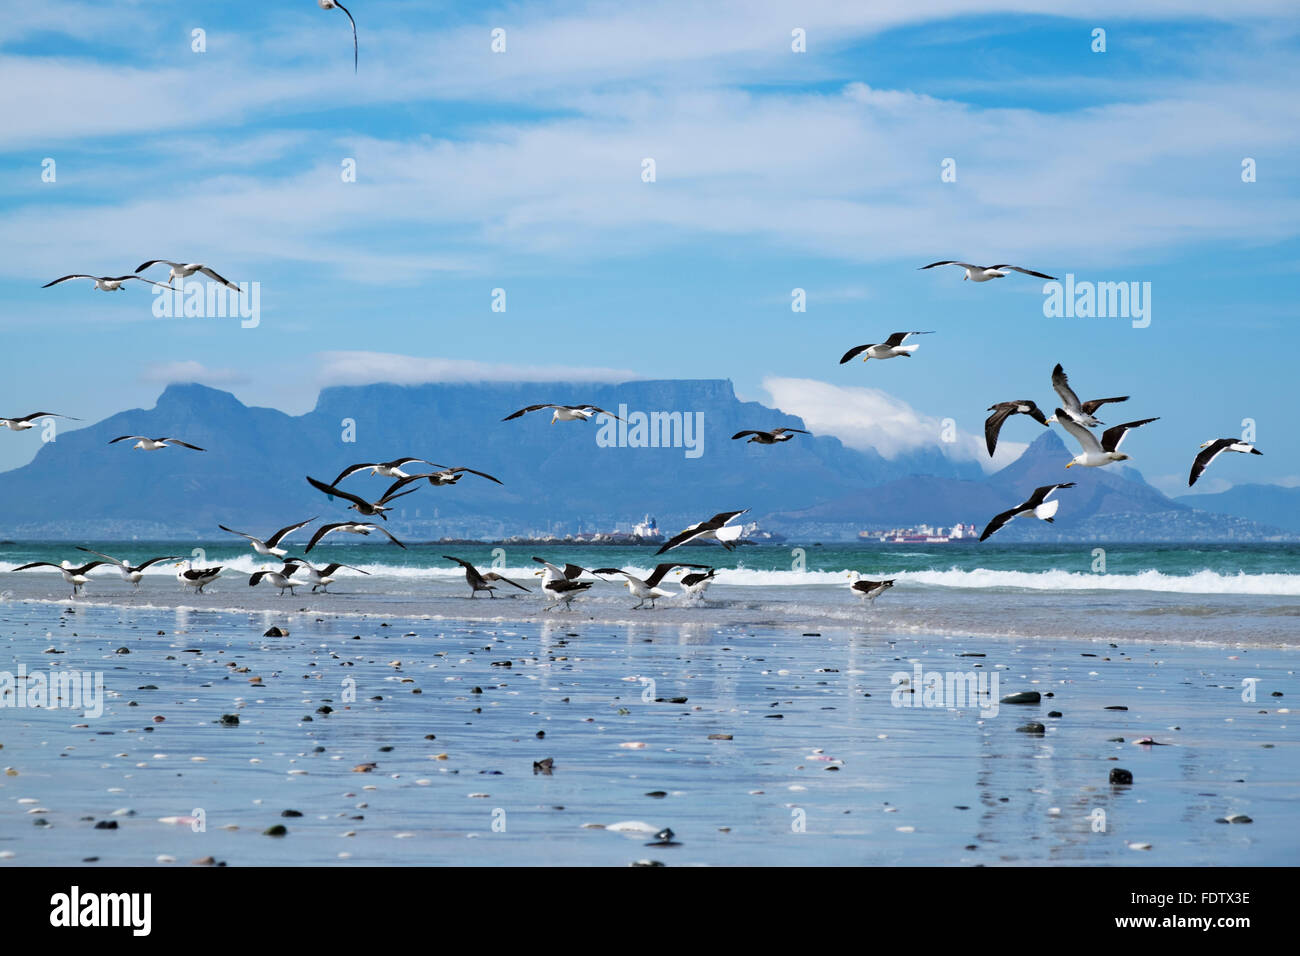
(563, 584)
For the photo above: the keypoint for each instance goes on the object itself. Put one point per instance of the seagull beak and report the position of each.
(1071, 464)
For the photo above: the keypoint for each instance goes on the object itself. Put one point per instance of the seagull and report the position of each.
(1095, 454)
(106, 283)
(1004, 410)
(153, 444)
(985, 273)
(868, 589)
(892, 347)
(330, 5)
(360, 505)
(279, 579)
(561, 584)
(715, 529)
(479, 582)
(271, 546)
(1213, 449)
(132, 573)
(29, 421)
(389, 469)
(1037, 505)
(1080, 412)
(648, 589)
(448, 476)
(73, 575)
(317, 577)
(197, 578)
(565, 413)
(348, 527)
(769, 438)
(183, 270)
(694, 583)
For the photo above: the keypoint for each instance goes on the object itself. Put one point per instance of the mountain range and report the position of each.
(568, 478)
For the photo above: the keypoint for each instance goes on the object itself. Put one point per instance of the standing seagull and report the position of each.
(132, 573)
(389, 469)
(1213, 449)
(197, 578)
(565, 413)
(716, 529)
(1037, 505)
(29, 421)
(561, 584)
(648, 589)
(106, 283)
(695, 583)
(183, 270)
(271, 546)
(479, 582)
(360, 505)
(868, 589)
(153, 444)
(985, 273)
(73, 575)
(317, 577)
(281, 579)
(1004, 410)
(330, 5)
(1080, 412)
(769, 438)
(348, 527)
(892, 347)
(1095, 454)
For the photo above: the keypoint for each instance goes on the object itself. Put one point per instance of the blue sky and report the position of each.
(775, 170)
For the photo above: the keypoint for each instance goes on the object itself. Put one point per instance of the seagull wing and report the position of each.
(1036, 414)
(1042, 494)
(166, 557)
(65, 279)
(336, 492)
(598, 409)
(283, 533)
(39, 564)
(782, 431)
(950, 262)
(1207, 455)
(35, 415)
(999, 520)
(481, 474)
(162, 285)
(390, 537)
(896, 338)
(660, 570)
(493, 576)
(183, 444)
(1112, 437)
(748, 431)
(856, 350)
(1087, 440)
(111, 560)
(1090, 406)
(154, 262)
(1028, 272)
(463, 563)
(682, 537)
(993, 425)
(321, 532)
(240, 533)
(127, 438)
(524, 411)
(352, 470)
(1061, 382)
(354, 33)
(212, 273)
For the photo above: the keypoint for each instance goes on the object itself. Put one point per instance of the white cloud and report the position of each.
(868, 418)
(366, 368)
(184, 372)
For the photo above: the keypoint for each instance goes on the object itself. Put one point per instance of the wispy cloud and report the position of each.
(184, 372)
(365, 368)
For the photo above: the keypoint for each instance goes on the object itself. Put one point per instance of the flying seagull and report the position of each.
(106, 283)
(129, 572)
(360, 505)
(348, 527)
(985, 273)
(1004, 410)
(479, 582)
(1213, 449)
(892, 347)
(1080, 412)
(389, 469)
(868, 589)
(565, 413)
(271, 546)
(648, 589)
(769, 438)
(330, 5)
(1037, 505)
(197, 578)
(448, 476)
(29, 421)
(561, 584)
(73, 575)
(280, 579)
(153, 444)
(320, 578)
(716, 529)
(183, 270)
(1095, 454)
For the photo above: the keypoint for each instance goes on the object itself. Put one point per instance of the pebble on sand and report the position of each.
(1023, 697)
(1119, 775)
